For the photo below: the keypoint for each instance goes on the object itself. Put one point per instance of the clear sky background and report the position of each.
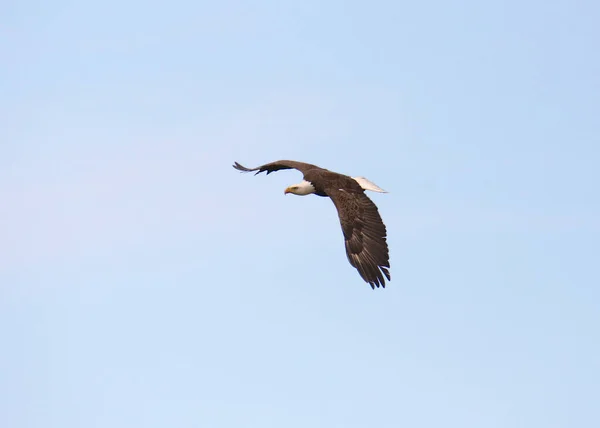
(145, 283)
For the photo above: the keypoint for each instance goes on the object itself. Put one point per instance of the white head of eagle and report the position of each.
(301, 189)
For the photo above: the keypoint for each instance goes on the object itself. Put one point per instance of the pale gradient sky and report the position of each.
(145, 283)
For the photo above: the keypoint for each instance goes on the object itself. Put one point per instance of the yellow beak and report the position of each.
(286, 191)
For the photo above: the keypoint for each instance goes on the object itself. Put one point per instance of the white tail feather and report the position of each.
(368, 185)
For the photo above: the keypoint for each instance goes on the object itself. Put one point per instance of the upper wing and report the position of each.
(276, 166)
(364, 235)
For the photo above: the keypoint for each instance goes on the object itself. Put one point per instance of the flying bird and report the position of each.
(363, 229)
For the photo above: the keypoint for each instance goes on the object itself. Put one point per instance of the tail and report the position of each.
(368, 185)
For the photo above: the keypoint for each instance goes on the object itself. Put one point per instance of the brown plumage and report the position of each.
(363, 229)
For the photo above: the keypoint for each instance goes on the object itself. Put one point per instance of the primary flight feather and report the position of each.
(363, 229)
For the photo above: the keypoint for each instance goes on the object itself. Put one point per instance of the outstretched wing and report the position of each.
(276, 166)
(364, 235)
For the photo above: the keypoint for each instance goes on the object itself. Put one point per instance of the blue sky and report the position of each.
(144, 282)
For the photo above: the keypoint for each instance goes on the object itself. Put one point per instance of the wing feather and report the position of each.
(276, 166)
(365, 235)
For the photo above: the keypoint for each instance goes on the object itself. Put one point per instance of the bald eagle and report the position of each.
(363, 229)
